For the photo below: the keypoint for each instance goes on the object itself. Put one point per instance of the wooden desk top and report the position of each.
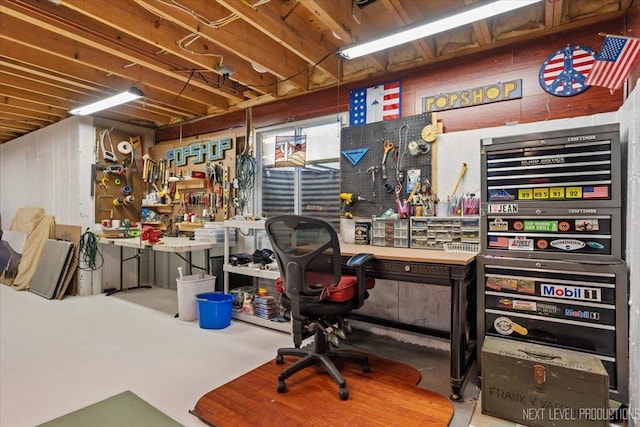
(408, 254)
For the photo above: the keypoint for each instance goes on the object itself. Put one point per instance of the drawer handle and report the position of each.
(407, 268)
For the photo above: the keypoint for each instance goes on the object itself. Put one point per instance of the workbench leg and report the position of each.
(137, 257)
(457, 344)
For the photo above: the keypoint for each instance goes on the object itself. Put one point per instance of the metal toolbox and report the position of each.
(575, 306)
(541, 386)
(553, 195)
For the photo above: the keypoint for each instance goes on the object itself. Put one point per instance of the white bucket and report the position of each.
(188, 288)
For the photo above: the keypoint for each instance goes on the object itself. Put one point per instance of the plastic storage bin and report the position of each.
(188, 288)
(214, 310)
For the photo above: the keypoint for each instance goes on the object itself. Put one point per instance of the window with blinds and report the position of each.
(311, 189)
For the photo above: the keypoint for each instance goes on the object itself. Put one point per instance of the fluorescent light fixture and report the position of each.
(482, 11)
(121, 98)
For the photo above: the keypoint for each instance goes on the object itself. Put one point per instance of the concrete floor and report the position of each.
(58, 356)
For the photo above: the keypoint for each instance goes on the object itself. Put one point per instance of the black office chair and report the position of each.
(318, 295)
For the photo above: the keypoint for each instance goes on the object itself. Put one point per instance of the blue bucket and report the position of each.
(214, 310)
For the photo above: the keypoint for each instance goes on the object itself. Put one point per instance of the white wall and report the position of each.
(630, 132)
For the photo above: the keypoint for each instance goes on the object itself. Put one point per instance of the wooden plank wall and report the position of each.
(518, 61)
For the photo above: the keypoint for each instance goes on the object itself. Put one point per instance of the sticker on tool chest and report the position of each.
(596, 313)
(551, 290)
(561, 226)
(600, 245)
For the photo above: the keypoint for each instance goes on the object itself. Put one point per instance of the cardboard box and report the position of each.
(542, 386)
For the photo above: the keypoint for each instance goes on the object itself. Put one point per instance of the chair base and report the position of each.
(320, 356)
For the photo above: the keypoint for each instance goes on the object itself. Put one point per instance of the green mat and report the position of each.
(122, 410)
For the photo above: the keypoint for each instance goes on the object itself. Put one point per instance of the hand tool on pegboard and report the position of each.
(108, 156)
(388, 146)
(226, 192)
(373, 170)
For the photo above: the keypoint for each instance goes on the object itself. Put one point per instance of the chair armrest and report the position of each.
(359, 260)
(359, 263)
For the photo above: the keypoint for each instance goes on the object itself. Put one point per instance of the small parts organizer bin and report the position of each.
(435, 232)
(390, 232)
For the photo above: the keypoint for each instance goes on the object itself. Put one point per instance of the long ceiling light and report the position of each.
(121, 98)
(483, 11)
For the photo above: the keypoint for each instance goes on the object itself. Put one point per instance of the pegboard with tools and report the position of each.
(116, 173)
(383, 164)
(199, 177)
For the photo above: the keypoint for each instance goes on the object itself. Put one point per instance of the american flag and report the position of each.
(375, 103)
(598, 192)
(498, 242)
(614, 62)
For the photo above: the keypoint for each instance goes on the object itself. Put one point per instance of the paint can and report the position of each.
(363, 232)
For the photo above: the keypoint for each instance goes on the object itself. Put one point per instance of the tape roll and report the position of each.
(125, 190)
(272, 266)
(125, 147)
(128, 200)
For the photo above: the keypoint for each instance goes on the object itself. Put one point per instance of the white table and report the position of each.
(177, 245)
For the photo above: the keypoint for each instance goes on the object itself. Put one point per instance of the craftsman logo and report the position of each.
(581, 138)
(568, 244)
(583, 211)
(582, 314)
(570, 292)
(503, 208)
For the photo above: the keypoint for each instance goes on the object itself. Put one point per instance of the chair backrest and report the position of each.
(307, 250)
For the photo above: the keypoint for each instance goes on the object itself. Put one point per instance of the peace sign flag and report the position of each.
(614, 62)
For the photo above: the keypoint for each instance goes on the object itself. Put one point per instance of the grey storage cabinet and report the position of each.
(551, 267)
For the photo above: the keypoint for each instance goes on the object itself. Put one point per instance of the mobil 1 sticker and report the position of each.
(554, 290)
(561, 310)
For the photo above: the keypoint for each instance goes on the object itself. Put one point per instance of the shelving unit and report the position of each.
(390, 232)
(159, 209)
(434, 232)
(247, 271)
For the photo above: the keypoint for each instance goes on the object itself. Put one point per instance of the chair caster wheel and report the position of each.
(366, 368)
(343, 393)
(334, 340)
(340, 333)
(282, 387)
(279, 359)
(347, 327)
